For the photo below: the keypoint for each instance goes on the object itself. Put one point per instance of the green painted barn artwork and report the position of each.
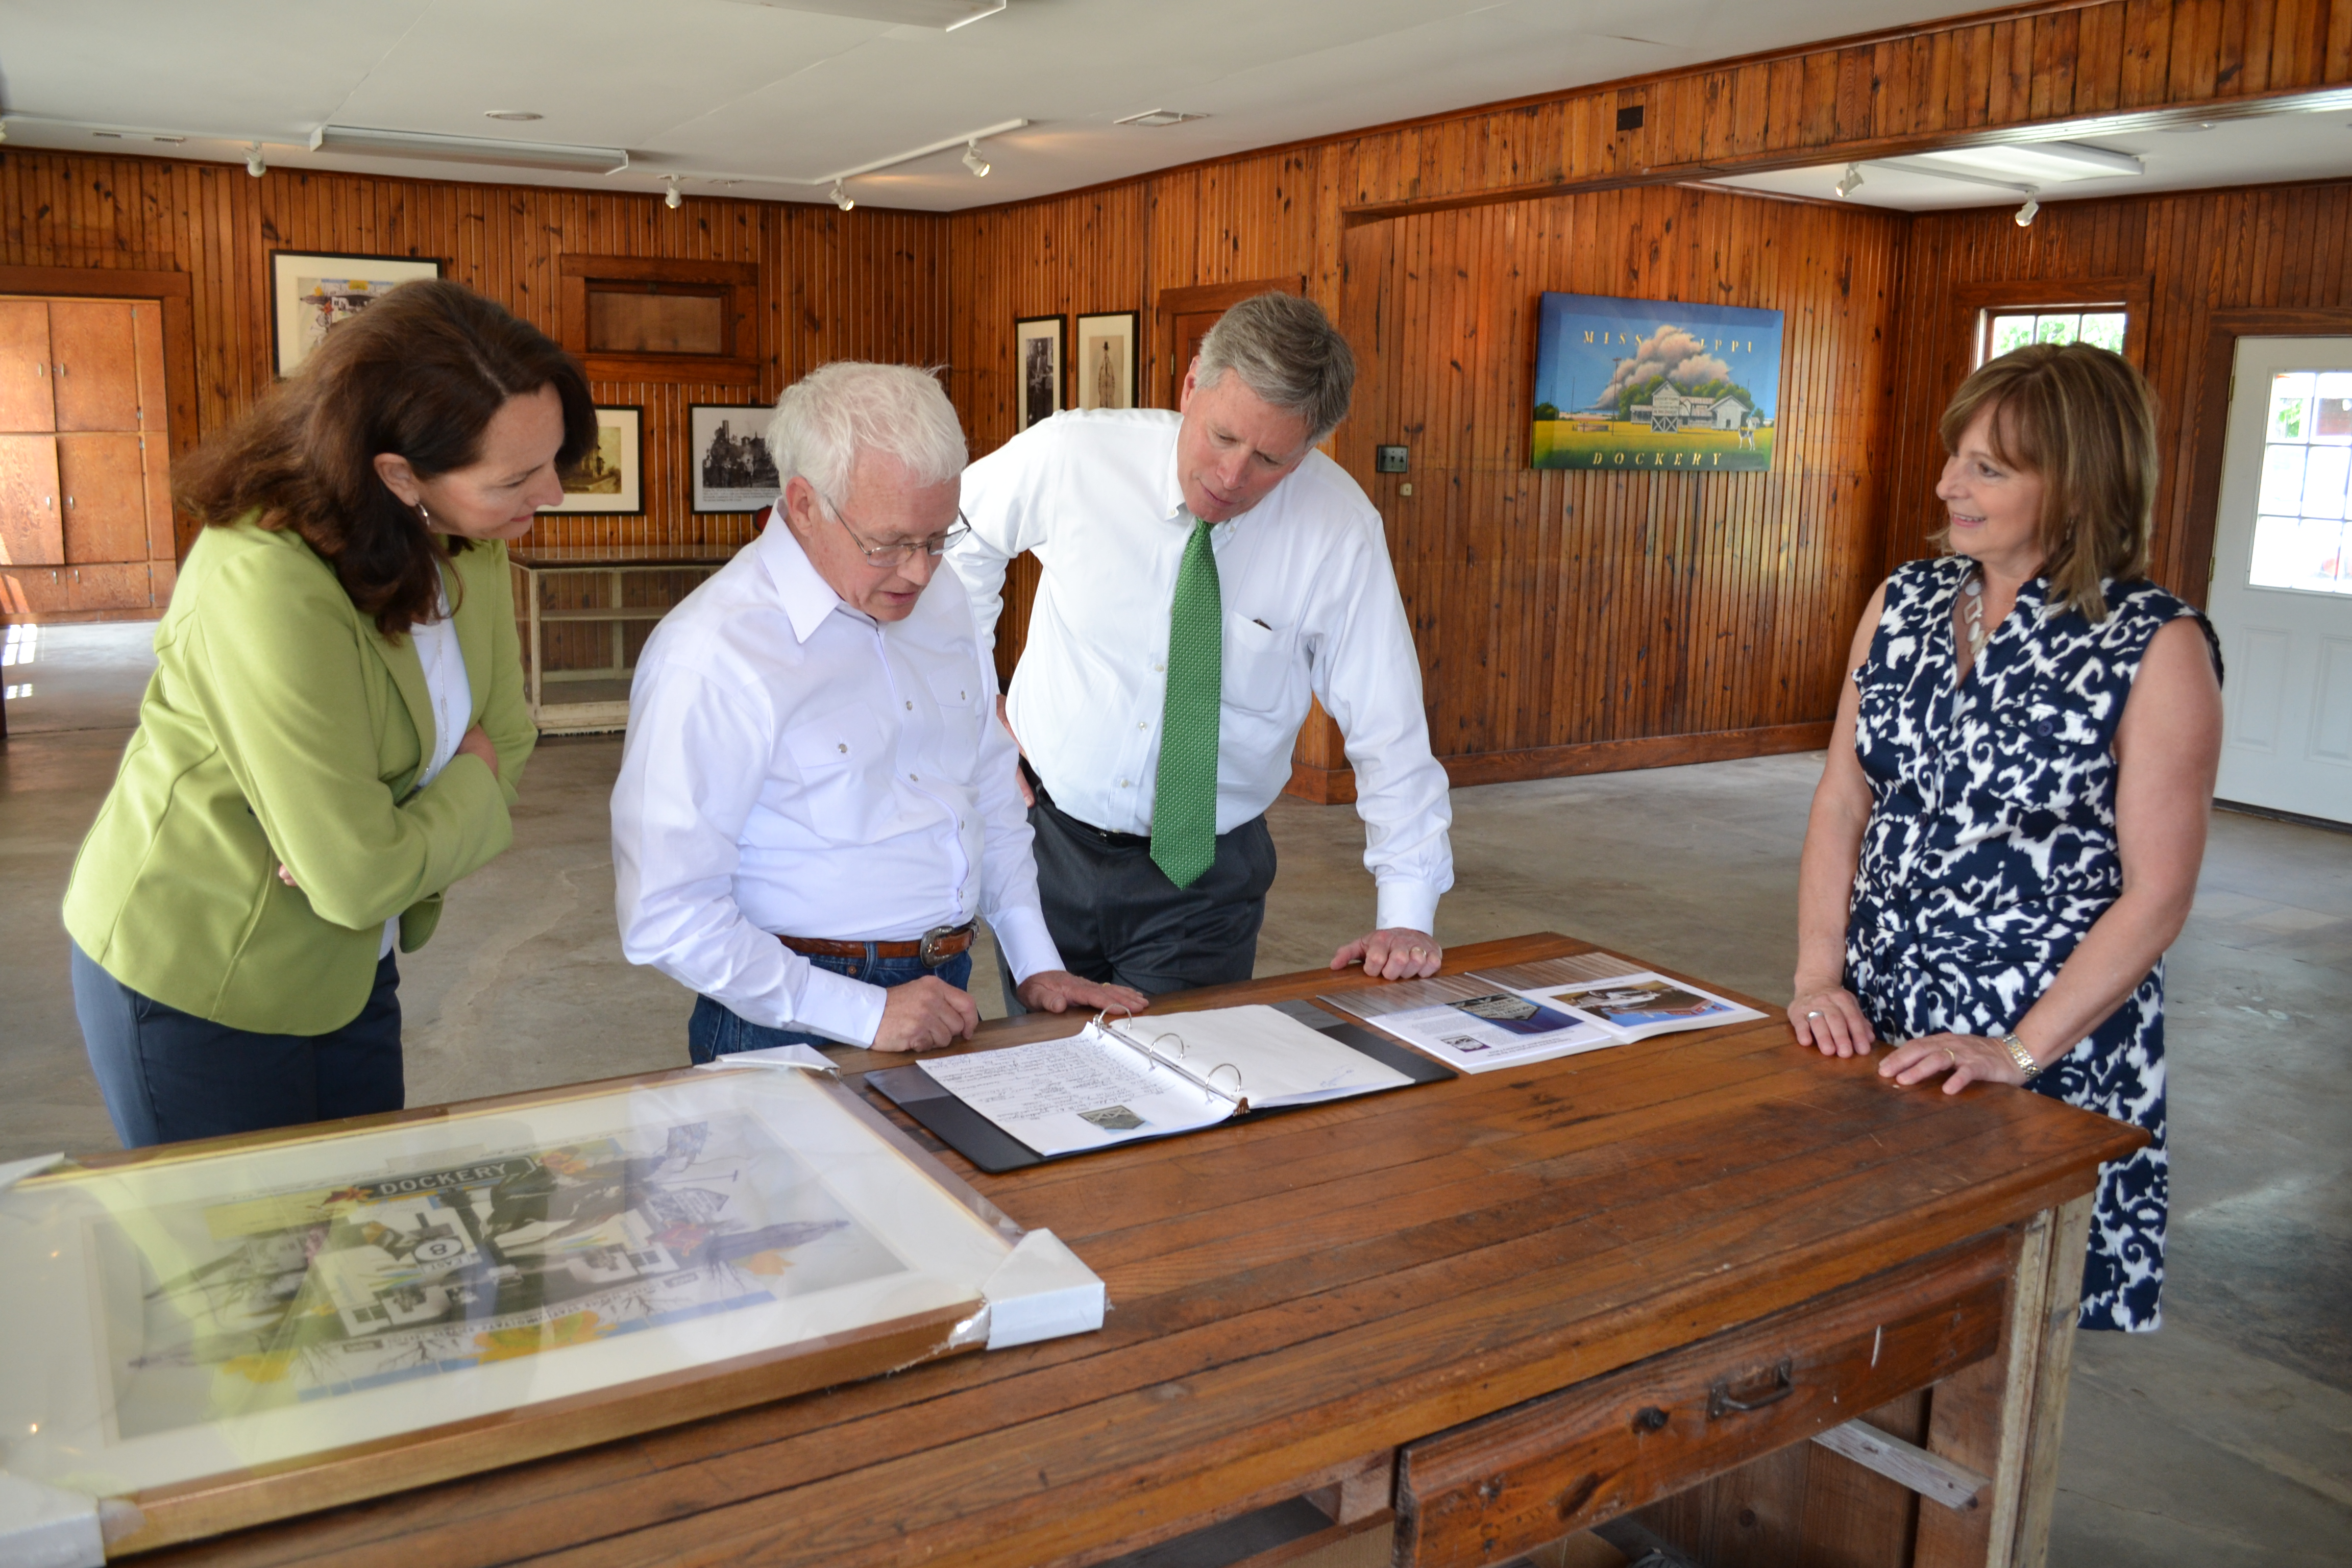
(1651, 383)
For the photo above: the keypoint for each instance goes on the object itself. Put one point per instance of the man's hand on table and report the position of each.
(1393, 952)
(925, 1015)
(1058, 991)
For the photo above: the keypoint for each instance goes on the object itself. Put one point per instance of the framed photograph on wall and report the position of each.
(1106, 361)
(1037, 343)
(728, 448)
(310, 292)
(611, 479)
(1654, 384)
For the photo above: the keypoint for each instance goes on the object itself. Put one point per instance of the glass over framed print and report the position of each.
(239, 1330)
(309, 293)
(1036, 370)
(612, 477)
(733, 470)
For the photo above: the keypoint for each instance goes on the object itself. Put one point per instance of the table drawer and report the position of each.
(1488, 1490)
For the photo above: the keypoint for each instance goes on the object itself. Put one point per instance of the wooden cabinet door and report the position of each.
(24, 402)
(31, 533)
(93, 358)
(1190, 328)
(101, 477)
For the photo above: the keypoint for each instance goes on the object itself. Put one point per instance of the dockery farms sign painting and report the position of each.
(1652, 384)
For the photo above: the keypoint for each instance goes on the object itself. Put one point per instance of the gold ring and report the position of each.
(1949, 1054)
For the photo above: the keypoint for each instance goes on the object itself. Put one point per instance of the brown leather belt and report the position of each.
(937, 945)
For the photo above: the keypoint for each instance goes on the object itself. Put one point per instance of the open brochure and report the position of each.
(1125, 1078)
(1534, 1012)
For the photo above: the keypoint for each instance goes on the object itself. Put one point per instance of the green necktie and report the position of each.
(1184, 804)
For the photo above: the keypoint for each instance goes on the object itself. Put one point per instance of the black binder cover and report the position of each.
(995, 1151)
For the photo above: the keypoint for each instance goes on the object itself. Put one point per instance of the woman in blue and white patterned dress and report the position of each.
(2008, 830)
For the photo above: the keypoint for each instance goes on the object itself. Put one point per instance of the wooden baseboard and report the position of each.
(1336, 786)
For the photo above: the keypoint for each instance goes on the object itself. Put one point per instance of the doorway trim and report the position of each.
(2201, 520)
(1174, 302)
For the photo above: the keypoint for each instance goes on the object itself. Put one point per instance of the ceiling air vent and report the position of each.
(1160, 117)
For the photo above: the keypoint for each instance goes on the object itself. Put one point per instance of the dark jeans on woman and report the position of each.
(169, 1075)
(714, 1031)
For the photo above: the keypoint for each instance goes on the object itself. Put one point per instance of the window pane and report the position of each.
(2010, 332)
(2323, 482)
(2274, 548)
(2105, 330)
(2054, 329)
(2282, 490)
(2289, 395)
(2331, 409)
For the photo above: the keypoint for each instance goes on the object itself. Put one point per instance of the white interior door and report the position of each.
(2281, 594)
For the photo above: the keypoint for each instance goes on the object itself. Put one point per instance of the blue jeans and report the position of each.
(714, 1032)
(169, 1075)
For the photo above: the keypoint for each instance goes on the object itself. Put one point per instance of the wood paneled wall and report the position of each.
(2197, 251)
(1567, 621)
(864, 284)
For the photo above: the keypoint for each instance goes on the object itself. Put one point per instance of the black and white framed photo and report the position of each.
(610, 478)
(309, 293)
(733, 470)
(1037, 345)
(1106, 361)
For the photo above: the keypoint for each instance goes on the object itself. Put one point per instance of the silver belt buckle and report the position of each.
(927, 952)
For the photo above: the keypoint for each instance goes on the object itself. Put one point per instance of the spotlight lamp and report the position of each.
(670, 198)
(1851, 181)
(842, 198)
(973, 161)
(2025, 214)
(253, 164)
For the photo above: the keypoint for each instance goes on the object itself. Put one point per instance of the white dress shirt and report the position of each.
(795, 767)
(1310, 607)
(452, 695)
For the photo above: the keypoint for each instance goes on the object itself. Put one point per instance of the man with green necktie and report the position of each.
(1204, 573)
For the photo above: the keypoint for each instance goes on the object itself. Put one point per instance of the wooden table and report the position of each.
(1469, 1318)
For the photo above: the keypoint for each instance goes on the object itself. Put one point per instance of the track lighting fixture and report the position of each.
(672, 200)
(2025, 214)
(842, 198)
(253, 164)
(1852, 182)
(973, 161)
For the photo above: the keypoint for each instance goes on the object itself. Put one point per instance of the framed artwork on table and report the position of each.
(309, 293)
(612, 477)
(1037, 343)
(1106, 361)
(228, 1333)
(728, 447)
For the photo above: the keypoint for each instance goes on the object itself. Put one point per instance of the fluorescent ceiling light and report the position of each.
(2040, 162)
(948, 15)
(468, 149)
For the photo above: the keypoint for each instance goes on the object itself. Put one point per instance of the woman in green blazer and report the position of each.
(335, 726)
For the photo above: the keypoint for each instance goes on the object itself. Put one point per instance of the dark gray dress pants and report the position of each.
(1118, 919)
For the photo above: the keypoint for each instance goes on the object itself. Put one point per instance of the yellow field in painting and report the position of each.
(1560, 444)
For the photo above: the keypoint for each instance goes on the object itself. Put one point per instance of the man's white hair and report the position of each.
(836, 411)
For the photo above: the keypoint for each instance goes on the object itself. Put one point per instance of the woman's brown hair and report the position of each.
(420, 373)
(2083, 420)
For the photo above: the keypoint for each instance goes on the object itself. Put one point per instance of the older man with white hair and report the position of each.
(815, 800)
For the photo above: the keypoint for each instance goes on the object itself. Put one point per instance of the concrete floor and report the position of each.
(2226, 1439)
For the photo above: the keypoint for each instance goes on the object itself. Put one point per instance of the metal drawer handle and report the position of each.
(1719, 1401)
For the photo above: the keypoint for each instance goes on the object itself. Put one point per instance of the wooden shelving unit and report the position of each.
(583, 613)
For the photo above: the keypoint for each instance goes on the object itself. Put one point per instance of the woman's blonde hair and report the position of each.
(2083, 420)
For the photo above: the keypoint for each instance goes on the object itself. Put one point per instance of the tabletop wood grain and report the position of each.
(1293, 1294)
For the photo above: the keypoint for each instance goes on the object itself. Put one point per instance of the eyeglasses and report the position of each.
(901, 554)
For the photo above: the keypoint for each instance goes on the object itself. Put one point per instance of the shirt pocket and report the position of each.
(961, 701)
(843, 760)
(1257, 664)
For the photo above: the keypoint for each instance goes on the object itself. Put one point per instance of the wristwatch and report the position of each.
(2022, 1057)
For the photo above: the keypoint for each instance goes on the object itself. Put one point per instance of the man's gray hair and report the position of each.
(836, 411)
(1286, 351)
